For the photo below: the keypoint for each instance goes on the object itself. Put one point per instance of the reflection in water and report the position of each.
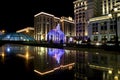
(102, 65)
(89, 65)
(56, 53)
(8, 49)
(2, 57)
(48, 60)
(16, 50)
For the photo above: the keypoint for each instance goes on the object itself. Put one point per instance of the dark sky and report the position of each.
(18, 14)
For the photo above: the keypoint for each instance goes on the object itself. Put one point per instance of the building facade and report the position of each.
(102, 29)
(28, 30)
(83, 11)
(91, 19)
(44, 22)
(107, 6)
(80, 7)
(68, 27)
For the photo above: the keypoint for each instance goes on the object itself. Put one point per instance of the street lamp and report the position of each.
(114, 15)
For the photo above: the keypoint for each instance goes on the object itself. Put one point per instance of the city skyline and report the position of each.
(20, 14)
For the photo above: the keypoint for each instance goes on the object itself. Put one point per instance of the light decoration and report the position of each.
(27, 31)
(17, 37)
(118, 72)
(3, 31)
(56, 53)
(8, 49)
(71, 39)
(3, 54)
(50, 71)
(27, 55)
(116, 77)
(56, 35)
(110, 71)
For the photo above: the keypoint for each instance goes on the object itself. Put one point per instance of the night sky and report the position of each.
(19, 14)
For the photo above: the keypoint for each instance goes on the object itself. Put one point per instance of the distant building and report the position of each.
(102, 29)
(68, 27)
(28, 30)
(107, 6)
(44, 22)
(80, 7)
(91, 19)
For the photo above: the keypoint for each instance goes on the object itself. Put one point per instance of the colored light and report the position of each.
(56, 53)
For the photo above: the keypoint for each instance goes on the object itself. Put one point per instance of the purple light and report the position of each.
(56, 53)
(56, 35)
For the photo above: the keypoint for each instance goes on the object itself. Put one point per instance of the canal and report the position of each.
(22, 62)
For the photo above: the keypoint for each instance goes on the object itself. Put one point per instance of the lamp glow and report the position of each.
(110, 71)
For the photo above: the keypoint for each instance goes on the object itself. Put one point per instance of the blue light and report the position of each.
(56, 53)
(56, 35)
(17, 37)
(8, 49)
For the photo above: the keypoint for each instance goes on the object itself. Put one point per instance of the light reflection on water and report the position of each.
(45, 59)
(56, 53)
(50, 58)
(99, 65)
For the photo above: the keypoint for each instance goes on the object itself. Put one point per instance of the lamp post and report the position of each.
(114, 15)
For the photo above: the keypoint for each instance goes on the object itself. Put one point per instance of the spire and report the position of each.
(58, 26)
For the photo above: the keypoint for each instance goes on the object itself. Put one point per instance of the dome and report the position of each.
(17, 37)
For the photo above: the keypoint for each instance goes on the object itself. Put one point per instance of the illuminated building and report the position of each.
(80, 7)
(83, 11)
(87, 9)
(101, 29)
(68, 27)
(44, 22)
(102, 7)
(28, 31)
(107, 6)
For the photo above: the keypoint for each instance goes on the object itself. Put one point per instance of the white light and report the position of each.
(116, 78)
(97, 44)
(86, 33)
(64, 44)
(110, 15)
(115, 9)
(97, 53)
(70, 18)
(8, 49)
(110, 71)
(118, 72)
(80, 42)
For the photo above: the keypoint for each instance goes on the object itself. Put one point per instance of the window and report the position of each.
(95, 38)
